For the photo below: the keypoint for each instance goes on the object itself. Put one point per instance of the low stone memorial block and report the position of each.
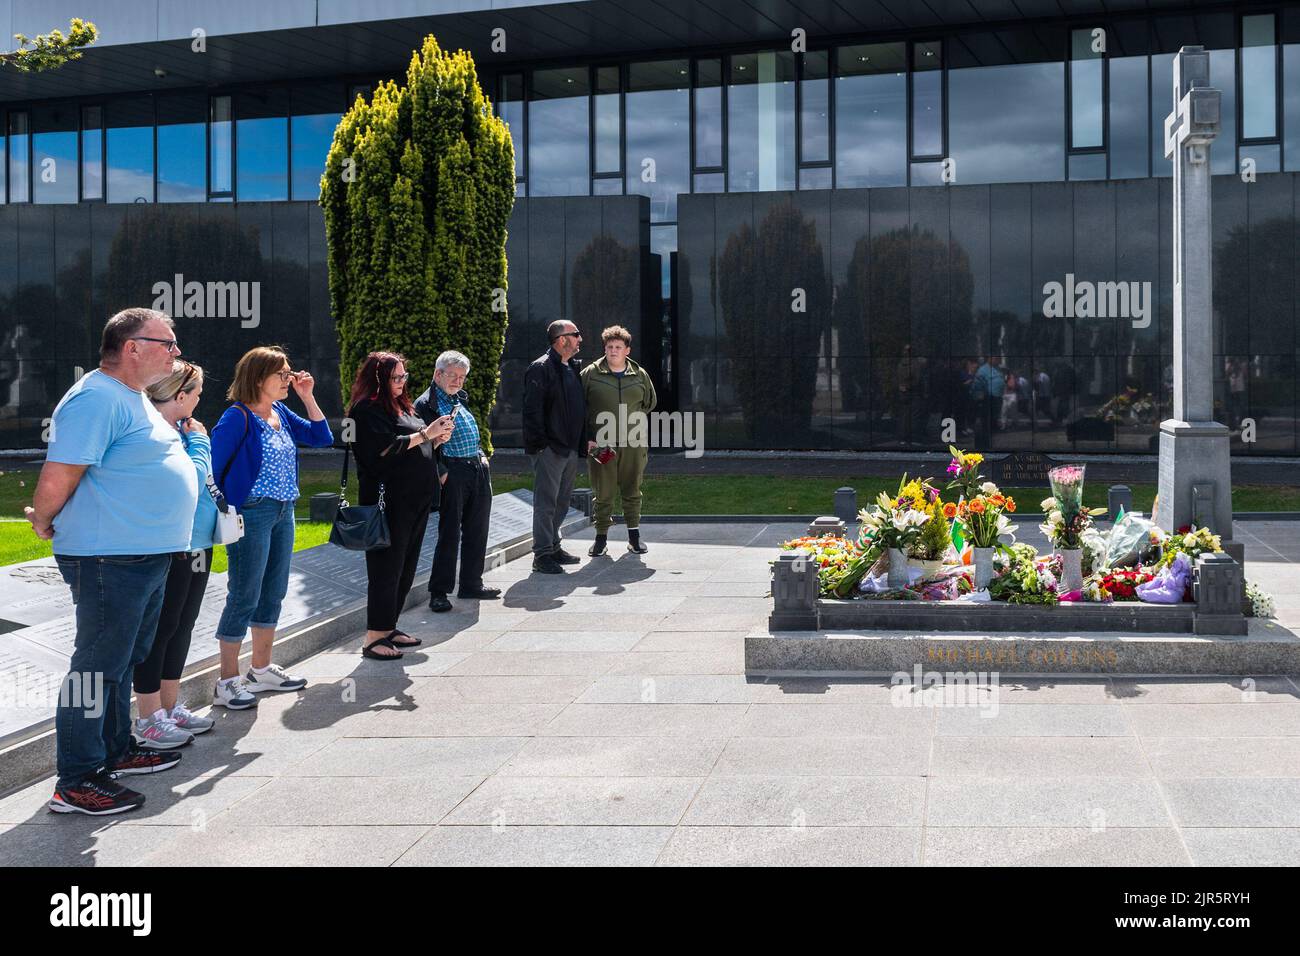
(826, 525)
(794, 592)
(1217, 585)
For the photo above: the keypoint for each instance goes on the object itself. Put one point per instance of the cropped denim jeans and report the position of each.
(258, 577)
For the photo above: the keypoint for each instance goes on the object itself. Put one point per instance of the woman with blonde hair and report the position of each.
(165, 723)
(255, 465)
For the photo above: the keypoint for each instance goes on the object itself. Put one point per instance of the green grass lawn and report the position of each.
(664, 494)
(17, 543)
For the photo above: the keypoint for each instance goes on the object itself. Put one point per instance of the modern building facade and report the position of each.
(876, 225)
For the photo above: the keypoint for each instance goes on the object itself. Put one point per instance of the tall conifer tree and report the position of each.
(418, 186)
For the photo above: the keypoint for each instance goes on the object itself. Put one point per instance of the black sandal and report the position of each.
(386, 642)
(409, 642)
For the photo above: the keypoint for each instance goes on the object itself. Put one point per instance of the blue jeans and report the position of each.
(118, 599)
(259, 568)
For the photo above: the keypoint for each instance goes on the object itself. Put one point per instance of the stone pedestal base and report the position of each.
(1198, 454)
(1194, 453)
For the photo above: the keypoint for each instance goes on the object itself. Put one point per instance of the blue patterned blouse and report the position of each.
(278, 478)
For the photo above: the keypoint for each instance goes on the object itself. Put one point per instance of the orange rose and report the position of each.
(949, 510)
(977, 506)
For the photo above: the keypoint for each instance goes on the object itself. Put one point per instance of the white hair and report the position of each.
(449, 358)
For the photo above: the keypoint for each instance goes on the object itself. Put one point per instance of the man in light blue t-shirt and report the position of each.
(117, 496)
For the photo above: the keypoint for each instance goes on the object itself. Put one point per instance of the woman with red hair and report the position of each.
(397, 458)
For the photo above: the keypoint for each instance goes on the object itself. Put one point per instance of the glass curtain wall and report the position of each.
(658, 134)
(129, 142)
(559, 158)
(871, 115)
(761, 121)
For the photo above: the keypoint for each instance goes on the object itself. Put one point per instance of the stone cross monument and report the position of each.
(1195, 477)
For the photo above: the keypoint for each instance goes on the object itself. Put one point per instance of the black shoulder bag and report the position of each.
(359, 527)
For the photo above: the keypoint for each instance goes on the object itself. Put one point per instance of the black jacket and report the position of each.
(384, 454)
(555, 411)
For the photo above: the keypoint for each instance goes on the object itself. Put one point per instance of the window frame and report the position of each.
(9, 143)
(221, 195)
(1070, 148)
(1278, 90)
(102, 106)
(910, 54)
(620, 175)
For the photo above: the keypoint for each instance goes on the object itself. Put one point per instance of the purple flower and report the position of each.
(954, 468)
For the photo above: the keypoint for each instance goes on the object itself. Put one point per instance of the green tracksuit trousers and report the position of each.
(621, 476)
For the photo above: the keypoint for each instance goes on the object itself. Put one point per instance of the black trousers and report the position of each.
(187, 577)
(462, 526)
(390, 570)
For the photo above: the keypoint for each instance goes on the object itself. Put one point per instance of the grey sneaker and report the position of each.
(160, 732)
(186, 720)
(274, 677)
(232, 693)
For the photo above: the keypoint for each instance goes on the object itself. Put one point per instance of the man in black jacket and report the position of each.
(555, 416)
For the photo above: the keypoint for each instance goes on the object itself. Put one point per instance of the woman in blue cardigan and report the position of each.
(255, 464)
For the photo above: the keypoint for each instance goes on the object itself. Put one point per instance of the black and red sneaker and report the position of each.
(138, 760)
(97, 795)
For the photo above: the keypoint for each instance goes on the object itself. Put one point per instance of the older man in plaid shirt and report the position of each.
(466, 489)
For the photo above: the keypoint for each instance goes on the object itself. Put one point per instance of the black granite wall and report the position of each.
(908, 293)
(65, 268)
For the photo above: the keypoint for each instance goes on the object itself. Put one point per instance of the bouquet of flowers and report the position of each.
(856, 569)
(964, 470)
(1066, 517)
(1261, 602)
(1117, 584)
(947, 587)
(1032, 581)
(896, 522)
(1094, 592)
(831, 555)
(1190, 541)
(932, 544)
(984, 516)
(1171, 584)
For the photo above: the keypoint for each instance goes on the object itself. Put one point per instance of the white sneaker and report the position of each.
(232, 693)
(272, 677)
(187, 720)
(160, 732)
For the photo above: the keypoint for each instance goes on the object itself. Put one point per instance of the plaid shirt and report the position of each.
(464, 440)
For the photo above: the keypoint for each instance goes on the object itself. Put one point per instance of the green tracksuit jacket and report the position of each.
(614, 404)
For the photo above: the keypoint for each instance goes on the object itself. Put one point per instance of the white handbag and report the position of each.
(230, 523)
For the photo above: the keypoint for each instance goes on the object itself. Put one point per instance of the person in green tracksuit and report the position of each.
(620, 397)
